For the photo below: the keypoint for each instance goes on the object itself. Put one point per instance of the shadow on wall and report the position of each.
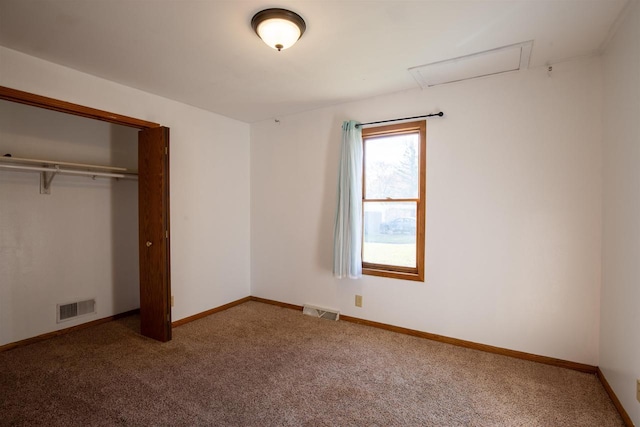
(124, 221)
(329, 196)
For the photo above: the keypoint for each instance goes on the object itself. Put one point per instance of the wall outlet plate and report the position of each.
(358, 300)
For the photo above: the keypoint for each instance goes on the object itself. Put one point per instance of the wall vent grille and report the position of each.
(75, 309)
(324, 313)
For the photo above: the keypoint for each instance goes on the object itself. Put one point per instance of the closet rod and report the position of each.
(39, 162)
(70, 171)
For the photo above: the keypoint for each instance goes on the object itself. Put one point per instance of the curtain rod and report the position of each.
(440, 114)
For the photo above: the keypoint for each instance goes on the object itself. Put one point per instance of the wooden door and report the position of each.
(153, 206)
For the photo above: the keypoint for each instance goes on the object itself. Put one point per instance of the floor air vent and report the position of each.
(75, 309)
(325, 313)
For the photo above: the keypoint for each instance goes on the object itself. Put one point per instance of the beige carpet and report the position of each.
(260, 365)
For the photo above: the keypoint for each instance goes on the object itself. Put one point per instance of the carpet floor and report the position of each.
(261, 365)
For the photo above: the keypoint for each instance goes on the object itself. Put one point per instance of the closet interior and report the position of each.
(69, 238)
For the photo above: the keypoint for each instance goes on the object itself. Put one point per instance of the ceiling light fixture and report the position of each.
(278, 28)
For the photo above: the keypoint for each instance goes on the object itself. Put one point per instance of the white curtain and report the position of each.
(347, 237)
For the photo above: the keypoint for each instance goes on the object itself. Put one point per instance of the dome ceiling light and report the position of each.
(278, 28)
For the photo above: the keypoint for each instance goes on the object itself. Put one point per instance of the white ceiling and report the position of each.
(204, 52)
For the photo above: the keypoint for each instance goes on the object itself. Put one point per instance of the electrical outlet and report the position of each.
(171, 300)
(358, 300)
(638, 390)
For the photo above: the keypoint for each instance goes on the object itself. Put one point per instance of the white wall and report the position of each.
(513, 212)
(77, 243)
(209, 178)
(620, 312)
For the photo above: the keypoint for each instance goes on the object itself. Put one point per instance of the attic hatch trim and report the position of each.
(504, 59)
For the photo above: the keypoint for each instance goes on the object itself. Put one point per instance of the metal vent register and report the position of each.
(325, 313)
(75, 309)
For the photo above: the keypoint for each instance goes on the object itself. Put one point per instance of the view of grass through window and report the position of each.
(391, 242)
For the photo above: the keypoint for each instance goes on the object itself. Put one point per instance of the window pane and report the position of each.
(390, 233)
(391, 167)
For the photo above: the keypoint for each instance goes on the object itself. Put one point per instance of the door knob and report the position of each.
(149, 243)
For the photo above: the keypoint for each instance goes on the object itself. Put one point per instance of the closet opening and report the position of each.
(37, 239)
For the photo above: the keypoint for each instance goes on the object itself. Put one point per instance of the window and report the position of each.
(393, 200)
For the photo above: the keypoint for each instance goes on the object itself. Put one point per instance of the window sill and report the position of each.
(416, 277)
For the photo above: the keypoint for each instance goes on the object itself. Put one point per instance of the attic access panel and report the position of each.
(503, 59)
